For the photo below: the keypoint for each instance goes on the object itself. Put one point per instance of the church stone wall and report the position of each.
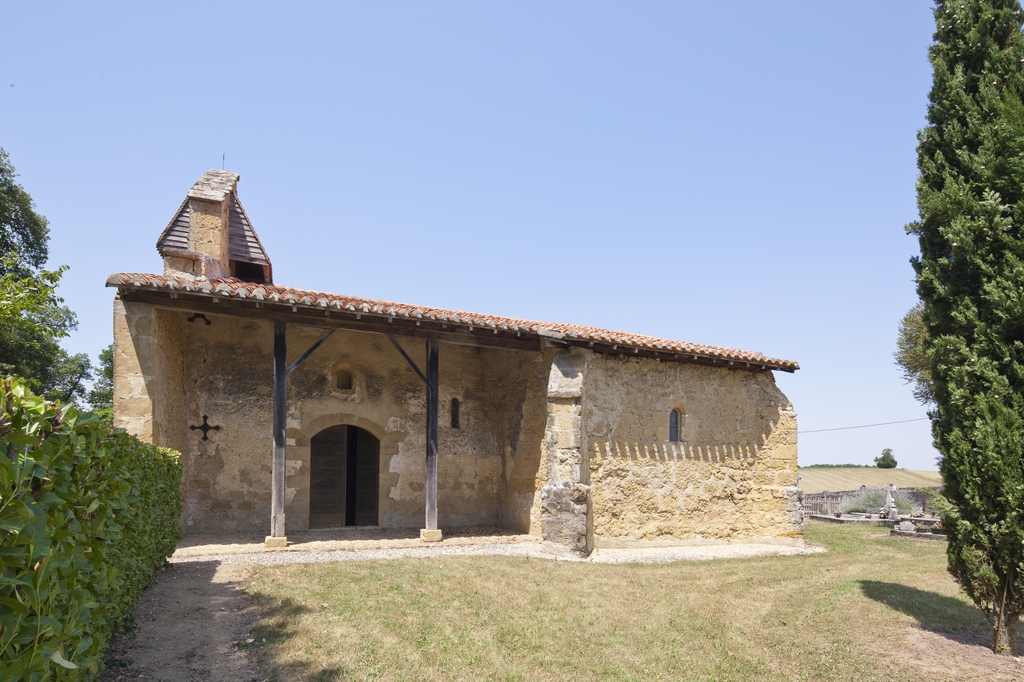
(522, 422)
(389, 400)
(565, 444)
(147, 377)
(227, 376)
(170, 372)
(733, 476)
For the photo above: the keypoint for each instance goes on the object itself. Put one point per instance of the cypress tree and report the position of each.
(970, 277)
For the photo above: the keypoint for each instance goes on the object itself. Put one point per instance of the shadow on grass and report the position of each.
(278, 626)
(950, 617)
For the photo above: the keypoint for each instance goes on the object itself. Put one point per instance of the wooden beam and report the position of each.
(405, 355)
(309, 351)
(432, 400)
(277, 494)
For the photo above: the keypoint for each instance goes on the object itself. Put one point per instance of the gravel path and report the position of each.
(535, 550)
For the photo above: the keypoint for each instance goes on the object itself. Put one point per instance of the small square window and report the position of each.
(344, 380)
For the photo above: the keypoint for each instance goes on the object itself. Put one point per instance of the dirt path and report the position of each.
(187, 623)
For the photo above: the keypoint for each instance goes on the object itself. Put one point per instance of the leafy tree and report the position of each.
(22, 296)
(68, 378)
(886, 460)
(33, 318)
(911, 357)
(101, 397)
(970, 278)
(23, 232)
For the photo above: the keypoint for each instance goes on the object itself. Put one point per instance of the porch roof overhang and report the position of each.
(231, 296)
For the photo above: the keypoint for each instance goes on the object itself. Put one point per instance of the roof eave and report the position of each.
(204, 292)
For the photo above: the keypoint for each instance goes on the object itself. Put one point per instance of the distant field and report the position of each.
(818, 480)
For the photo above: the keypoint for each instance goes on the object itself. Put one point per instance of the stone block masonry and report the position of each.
(731, 476)
(570, 445)
(565, 499)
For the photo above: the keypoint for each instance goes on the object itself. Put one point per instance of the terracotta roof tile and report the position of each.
(230, 287)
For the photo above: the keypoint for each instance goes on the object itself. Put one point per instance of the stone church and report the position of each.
(297, 409)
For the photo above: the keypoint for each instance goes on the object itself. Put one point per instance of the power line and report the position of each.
(866, 426)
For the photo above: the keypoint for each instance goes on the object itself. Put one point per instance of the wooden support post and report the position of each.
(431, 532)
(277, 537)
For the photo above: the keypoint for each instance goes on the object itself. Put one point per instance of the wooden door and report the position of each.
(344, 462)
(364, 462)
(328, 460)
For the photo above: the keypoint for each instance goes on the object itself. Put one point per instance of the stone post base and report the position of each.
(430, 535)
(564, 511)
(275, 543)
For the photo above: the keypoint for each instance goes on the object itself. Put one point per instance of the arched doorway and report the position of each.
(344, 462)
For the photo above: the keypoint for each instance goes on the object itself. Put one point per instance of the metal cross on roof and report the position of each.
(205, 428)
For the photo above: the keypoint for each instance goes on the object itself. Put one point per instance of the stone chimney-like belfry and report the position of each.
(211, 235)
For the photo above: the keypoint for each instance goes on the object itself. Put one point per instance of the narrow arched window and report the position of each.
(455, 413)
(343, 380)
(673, 426)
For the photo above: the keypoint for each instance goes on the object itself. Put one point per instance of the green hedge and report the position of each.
(86, 516)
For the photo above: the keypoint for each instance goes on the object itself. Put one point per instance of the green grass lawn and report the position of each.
(841, 615)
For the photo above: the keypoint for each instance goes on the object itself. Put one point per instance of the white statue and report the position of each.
(890, 503)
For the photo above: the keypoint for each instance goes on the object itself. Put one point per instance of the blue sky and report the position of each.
(728, 173)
